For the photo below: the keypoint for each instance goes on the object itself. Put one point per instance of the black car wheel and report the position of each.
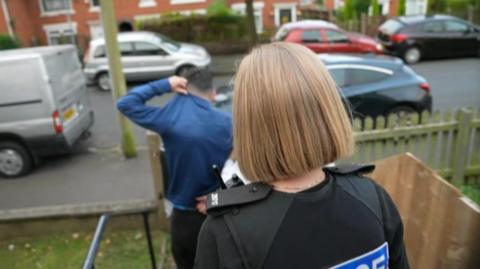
(15, 160)
(412, 55)
(103, 81)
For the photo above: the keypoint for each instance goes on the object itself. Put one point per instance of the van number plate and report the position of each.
(70, 113)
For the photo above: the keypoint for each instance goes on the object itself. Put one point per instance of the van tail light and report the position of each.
(398, 38)
(57, 122)
(425, 86)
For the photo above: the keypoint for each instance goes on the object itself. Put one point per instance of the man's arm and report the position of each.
(133, 105)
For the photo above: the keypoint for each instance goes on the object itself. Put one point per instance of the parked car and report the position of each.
(414, 38)
(145, 56)
(373, 85)
(44, 107)
(325, 37)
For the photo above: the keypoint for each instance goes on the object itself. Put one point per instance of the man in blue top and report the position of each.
(196, 136)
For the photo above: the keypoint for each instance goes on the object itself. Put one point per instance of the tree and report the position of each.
(401, 8)
(375, 8)
(252, 30)
(349, 10)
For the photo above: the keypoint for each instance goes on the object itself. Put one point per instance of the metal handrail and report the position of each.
(89, 262)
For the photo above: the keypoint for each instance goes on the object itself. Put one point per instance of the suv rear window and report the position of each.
(391, 27)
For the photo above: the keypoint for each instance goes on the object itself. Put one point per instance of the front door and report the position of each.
(460, 39)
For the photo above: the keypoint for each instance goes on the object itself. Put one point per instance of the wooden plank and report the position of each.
(379, 146)
(368, 145)
(461, 146)
(442, 229)
(432, 154)
(403, 131)
(413, 139)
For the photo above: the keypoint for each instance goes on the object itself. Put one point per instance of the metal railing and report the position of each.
(89, 262)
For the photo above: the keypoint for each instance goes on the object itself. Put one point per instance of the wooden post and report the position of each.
(154, 142)
(464, 118)
(119, 87)
(363, 23)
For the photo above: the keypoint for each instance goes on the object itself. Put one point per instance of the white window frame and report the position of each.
(415, 7)
(147, 3)
(92, 7)
(44, 13)
(195, 11)
(291, 6)
(240, 8)
(59, 27)
(180, 2)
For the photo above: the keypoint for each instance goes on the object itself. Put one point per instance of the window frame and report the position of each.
(346, 40)
(51, 30)
(47, 13)
(318, 31)
(467, 26)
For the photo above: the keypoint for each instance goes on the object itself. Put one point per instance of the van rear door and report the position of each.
(69, 92)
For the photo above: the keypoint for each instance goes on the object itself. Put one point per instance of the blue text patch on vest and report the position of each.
(375, 259)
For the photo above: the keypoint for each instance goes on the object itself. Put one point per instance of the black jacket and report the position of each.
(347, 222)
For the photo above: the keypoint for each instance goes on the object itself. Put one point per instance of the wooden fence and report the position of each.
(448, 143)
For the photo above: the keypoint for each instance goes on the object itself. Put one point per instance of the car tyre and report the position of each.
(412, 55)
(183, 70)
(103, 82)
(15, 160)
(404, 114)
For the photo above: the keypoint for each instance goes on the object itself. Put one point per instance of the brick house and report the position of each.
(387, 7)
(47, 22)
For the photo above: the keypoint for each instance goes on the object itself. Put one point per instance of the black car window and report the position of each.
(336, 37)
(432, 27)
(340, 76)
(456, 26)
(364, 76)
(309, 36)
(145, 48)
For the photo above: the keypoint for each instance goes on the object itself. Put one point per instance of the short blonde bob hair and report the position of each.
(288, 115)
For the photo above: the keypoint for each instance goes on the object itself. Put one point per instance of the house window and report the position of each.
(55, 6)
(240, 9)
(416, 7)
(175, 2)
(61, 33)
(95, 3)
(147, 3)
(285, 13)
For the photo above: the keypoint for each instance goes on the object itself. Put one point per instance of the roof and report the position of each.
(309, 24)
(127, 36)
(362, 59)
(419, 18)
(35, 51)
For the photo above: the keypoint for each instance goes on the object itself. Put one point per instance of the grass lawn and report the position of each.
(125, 249)
(472, 191)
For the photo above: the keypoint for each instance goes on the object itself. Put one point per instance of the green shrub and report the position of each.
(218, 8)
(8, 42)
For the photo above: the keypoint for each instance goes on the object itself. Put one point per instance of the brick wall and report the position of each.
(30, 22)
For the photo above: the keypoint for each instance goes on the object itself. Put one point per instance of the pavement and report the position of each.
(97, 173)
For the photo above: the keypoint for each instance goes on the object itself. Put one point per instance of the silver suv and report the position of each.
(145, 56)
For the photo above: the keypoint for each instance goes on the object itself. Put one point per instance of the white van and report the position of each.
(44, 107)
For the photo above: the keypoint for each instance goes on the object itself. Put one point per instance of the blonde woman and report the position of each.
(289, 122)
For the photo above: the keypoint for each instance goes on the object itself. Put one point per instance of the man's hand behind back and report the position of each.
(178, 84)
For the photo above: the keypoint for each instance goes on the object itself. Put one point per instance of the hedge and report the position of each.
(8, 42)
(198, 28)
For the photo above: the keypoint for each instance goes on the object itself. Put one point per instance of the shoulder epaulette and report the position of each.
(351, 168)
(223, 199)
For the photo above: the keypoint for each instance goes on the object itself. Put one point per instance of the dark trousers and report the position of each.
(185, 229)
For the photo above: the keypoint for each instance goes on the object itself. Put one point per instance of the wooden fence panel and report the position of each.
(442, 228)
(448, 143)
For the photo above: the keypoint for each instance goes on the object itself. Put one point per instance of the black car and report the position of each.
(420, 37)
(372, 85)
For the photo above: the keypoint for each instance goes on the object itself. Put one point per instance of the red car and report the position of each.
(325, 37)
